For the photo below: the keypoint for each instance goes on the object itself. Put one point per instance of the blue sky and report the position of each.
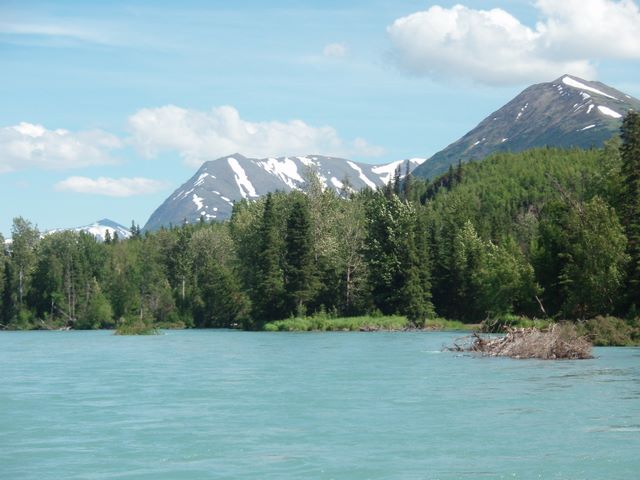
(107, 107)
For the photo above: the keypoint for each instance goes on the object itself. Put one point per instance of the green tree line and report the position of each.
(548, 232)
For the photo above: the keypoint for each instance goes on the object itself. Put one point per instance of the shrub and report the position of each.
(611, 331)
(135, 326)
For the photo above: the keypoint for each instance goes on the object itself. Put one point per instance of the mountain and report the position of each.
(210, 193)
(568, 112)
(99, 229)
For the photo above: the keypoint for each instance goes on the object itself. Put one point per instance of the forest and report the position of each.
(546, 233)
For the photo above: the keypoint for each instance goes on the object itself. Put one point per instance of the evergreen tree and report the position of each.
(221, 302)
(299, 267)
(268, 297)
(459, 173)
(416, 289)
(407, 190)
(397, 181)
(630, 153)
(181, 262)
(135, 230)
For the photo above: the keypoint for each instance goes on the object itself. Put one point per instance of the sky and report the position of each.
(108, 107)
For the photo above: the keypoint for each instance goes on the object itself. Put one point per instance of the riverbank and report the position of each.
(602, 331)
(362, 324)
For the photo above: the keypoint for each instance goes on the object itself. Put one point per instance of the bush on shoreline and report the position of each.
(611, 331)
(601, 331)
(135, 326)
(324, 323)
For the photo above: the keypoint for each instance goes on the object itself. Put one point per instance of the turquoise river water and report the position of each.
(233, 405)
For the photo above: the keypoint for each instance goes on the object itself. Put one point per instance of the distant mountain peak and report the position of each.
(99, 229)
(567, 112)
(217, 184)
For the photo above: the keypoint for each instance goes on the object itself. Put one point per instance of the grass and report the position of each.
(323, 323)
(326, 324)
(135, 326)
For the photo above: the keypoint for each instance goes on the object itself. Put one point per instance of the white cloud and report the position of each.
(112, 187)
(29, 145)
(335, 50)
(201, 136)
(494, 47)
(590, 28)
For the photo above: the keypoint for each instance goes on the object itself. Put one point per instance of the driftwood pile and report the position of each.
(556, 342)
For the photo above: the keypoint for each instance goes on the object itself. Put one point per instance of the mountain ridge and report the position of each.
(566, 112)
(217, 184)
(98, 229)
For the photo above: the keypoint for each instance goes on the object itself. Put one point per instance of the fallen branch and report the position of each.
(559, 341)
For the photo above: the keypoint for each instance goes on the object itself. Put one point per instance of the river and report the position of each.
(216, 404)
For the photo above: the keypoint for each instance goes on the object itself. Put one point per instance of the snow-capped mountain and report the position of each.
(568, 112)
(99, 229)
(210, 193)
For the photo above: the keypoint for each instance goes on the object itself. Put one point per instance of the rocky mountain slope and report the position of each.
(568, 112)
(210, 193)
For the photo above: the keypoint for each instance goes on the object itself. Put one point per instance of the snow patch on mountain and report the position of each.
(336, 183)
(361, 174)
(307, 161)
(608, 112)
(576, 84)
(198, 201)
(245, 185)
(285, 169)
(202, 178)
(98, 229)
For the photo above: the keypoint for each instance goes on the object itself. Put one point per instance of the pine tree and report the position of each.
(299, 268)
(407, 190)
(416, 289)
(630, 152)
(397, 181)
(181, 263)
(135, 230)
(268, 297)
(459, 172)
(221, 303)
